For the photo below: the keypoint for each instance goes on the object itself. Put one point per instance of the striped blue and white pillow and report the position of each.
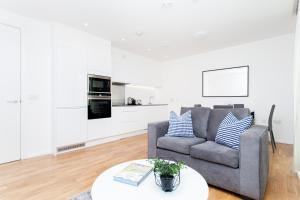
(229, 119)
(230, 130)
(180, 126)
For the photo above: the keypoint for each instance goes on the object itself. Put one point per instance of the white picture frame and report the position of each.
(226, 82)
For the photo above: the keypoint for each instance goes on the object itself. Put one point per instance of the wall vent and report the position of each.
(70, 147)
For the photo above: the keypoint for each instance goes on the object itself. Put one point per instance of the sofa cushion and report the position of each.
(180, 126)
(216, 117)
(178, 144)
(230, 130)
(217, 153)
(200, 116)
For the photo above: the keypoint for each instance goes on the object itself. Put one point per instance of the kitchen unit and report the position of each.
(126, 119)
(82, 110)
(74, 54)
(136, 118)
(127, 115)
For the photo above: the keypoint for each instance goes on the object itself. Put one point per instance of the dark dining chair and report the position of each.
(238, 105)
(223, 106)
(270, 128)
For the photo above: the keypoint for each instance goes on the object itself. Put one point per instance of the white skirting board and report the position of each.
(104, 140)
(114, 138)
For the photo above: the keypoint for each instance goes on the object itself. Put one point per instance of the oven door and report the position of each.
(99, 84)
(99, 107)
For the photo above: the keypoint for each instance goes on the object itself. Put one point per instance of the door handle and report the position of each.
(12, 101)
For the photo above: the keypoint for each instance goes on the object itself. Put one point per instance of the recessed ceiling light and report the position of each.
(86, 24)
(123, 39)
(200, 34)
(166, 57)
(148, 49)
(139, 33)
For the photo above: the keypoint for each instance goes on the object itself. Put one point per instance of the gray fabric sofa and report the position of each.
(243, 171)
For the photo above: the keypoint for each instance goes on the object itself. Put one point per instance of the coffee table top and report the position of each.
(192, 186)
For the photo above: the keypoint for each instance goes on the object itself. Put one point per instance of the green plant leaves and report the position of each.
(167, 168)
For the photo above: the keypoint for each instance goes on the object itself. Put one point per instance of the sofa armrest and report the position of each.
(155, 130)
(254, 161)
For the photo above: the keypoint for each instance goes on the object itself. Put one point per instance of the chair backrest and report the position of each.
(238, 105)
(223, 106)
(197, 105)
(271, 117)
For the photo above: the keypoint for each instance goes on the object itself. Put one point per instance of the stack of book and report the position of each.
(133, 174)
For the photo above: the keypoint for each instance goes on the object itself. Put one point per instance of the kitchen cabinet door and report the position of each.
(99, 128)
(130, 119)
(98, 56)
(125, 120)
(70, 126)
(70, 71)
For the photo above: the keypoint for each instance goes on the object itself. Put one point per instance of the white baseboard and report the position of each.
(114, 138)
(104, 140)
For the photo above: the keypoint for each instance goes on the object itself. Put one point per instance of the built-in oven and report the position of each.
(99, 107)
(99, 84)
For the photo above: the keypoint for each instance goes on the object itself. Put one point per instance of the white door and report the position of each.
(9, 94)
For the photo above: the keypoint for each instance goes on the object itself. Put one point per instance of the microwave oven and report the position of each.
(99, 84)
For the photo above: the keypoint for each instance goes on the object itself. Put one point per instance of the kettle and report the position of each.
(131, 101)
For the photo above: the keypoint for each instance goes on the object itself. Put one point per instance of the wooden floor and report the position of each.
(66, 175)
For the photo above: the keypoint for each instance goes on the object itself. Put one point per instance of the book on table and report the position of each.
(133, 174)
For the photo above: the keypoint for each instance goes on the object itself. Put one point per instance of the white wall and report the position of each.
(297, 98)
(36, 127)
(271, 80)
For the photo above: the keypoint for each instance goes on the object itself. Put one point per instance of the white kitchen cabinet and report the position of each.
(70, 70)
(126, 119)
(99, 128)
(70, 126)
(75, 54)
(129, 119)
(98, 56)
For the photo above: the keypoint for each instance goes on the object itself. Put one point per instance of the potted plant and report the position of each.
(168, 173)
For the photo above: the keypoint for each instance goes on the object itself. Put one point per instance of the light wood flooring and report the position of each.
(63, 176)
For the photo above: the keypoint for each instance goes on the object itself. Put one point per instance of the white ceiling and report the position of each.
(168, 31)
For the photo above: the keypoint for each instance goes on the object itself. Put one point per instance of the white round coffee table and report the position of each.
(192, 186)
